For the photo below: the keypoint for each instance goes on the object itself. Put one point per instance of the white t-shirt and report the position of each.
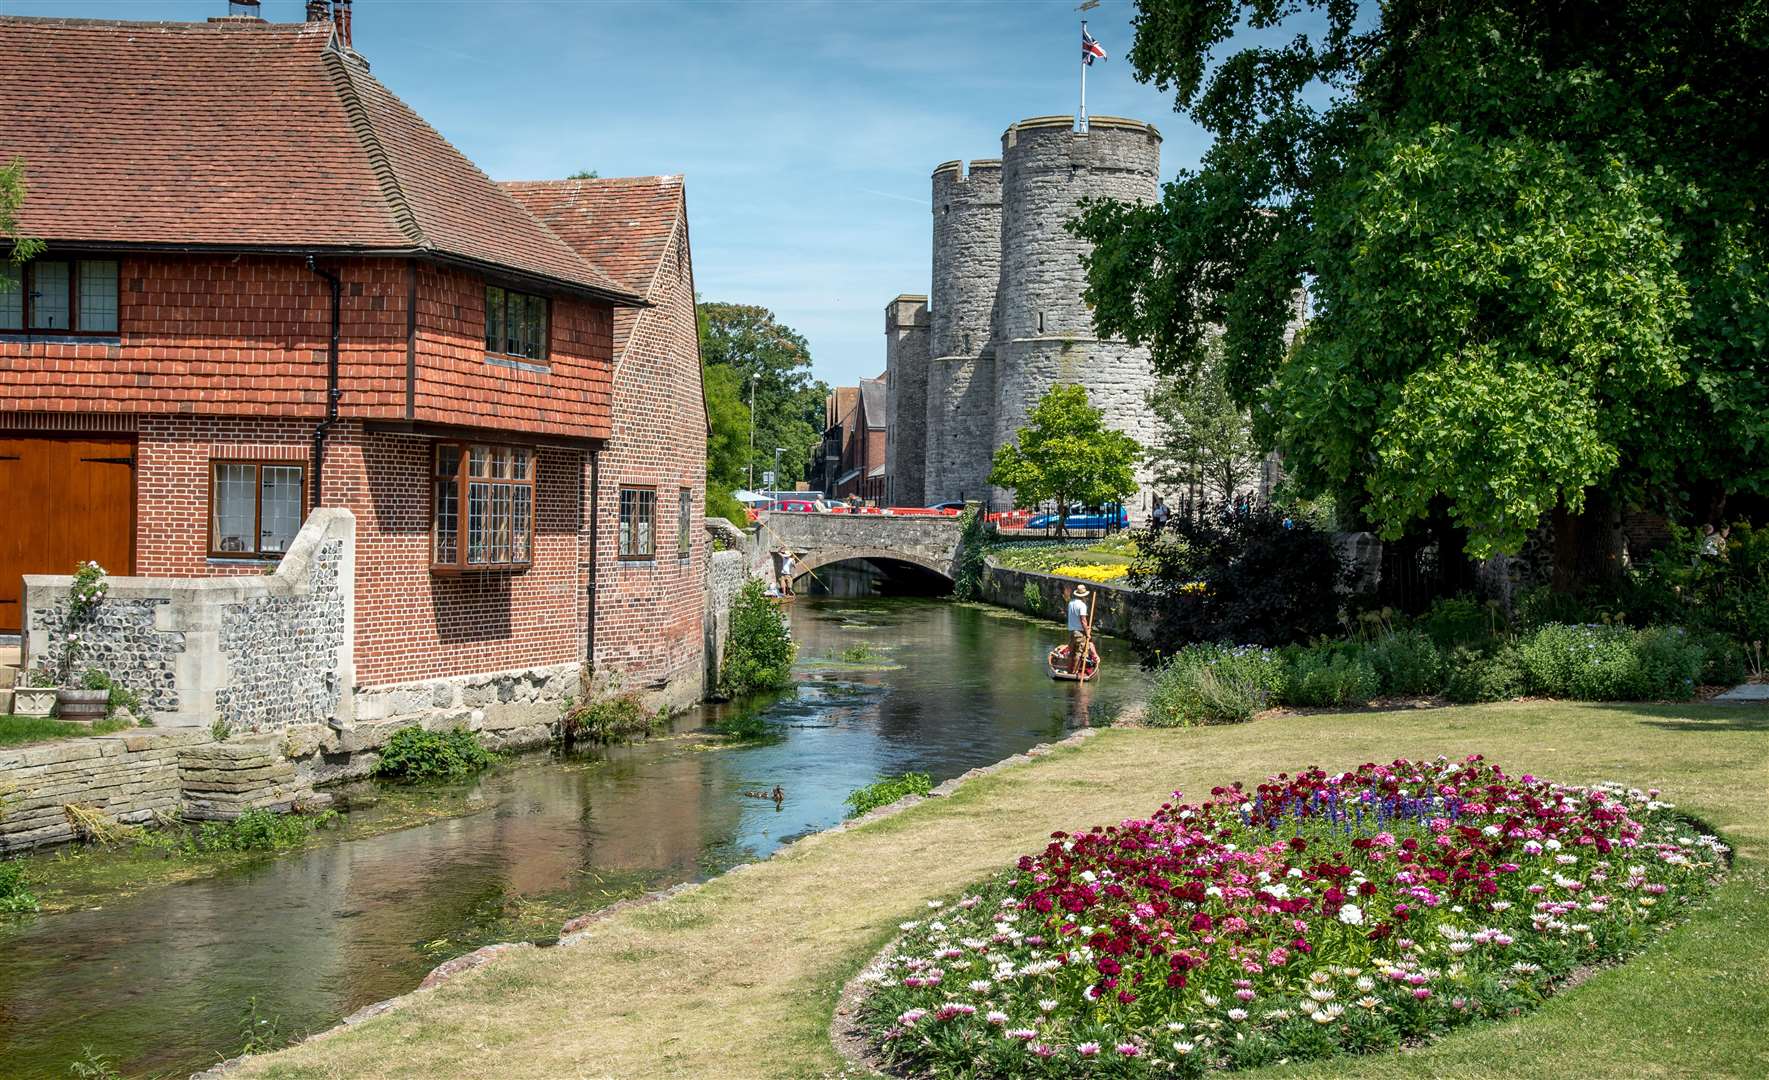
(1077, 612)
(786, 565)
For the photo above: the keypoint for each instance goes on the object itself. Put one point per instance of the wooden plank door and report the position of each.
(67, 500)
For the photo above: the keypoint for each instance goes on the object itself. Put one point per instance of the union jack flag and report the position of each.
(1090, 48)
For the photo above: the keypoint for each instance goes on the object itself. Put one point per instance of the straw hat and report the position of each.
(1080, 590)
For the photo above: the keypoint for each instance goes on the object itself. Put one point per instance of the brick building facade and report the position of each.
(649, 618)
(338, 309)
(855, 443)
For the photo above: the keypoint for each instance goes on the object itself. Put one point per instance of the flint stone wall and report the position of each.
(257, 653)
(726, 572)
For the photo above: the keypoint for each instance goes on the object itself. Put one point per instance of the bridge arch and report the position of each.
(820, 557)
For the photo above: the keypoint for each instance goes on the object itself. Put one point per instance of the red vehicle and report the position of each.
(797, 506)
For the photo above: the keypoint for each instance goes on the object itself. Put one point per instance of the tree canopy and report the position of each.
(1065, 452)
(1532, 235)
(788, 402)
(727, 440)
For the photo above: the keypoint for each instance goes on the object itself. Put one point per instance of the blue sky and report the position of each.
(807, 130)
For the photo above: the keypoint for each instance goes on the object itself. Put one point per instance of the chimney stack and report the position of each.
(319, 11)
(341, 17)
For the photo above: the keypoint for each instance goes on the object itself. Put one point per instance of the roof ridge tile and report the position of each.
(338, 72)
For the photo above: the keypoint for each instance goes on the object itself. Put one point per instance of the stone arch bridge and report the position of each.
(926, 541)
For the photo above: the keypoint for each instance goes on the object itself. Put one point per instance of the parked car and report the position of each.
(947, 506)
(797, 506)
(1082, 518)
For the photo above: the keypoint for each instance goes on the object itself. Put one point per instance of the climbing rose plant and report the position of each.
(1314, 915)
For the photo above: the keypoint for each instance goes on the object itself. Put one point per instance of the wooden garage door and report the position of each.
(67, 500)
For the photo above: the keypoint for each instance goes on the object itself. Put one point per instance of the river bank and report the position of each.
(775, 943)
(885, 687)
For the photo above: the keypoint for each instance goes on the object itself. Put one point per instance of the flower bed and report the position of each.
(1092, 572)
(1311, 916)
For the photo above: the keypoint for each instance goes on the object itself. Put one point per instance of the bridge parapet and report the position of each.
(821, 539)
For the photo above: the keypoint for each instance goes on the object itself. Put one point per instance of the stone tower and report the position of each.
(1006, 319)
(960, 395)
(1045, 333)
(906, 360)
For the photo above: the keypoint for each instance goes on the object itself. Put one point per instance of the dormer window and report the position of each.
(516, 323)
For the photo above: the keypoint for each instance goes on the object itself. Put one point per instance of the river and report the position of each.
(159, 981)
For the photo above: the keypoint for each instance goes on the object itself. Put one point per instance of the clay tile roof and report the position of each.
(247, 134)
(622, 224)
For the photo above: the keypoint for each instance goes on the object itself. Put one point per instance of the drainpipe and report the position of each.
(332, 392)
(595, 554)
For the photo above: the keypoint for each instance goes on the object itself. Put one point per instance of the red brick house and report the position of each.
(648, 624)
(271, 287)
(856, 441)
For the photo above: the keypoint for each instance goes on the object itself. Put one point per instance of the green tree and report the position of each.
(787, 402)
(585, 174)
(727, 440)
(1533, 237)
(1204, 439)
(20, 247)
(1067, 453)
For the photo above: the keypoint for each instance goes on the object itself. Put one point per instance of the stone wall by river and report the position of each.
(1115, 612)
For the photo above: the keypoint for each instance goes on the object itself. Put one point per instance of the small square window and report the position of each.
(256, 508)
(638, 523)
(515, 323)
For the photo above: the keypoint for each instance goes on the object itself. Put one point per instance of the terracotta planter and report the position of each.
(33, 700)
(83, 706)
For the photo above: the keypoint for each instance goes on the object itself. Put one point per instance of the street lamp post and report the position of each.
(749, 470)
(778, 450)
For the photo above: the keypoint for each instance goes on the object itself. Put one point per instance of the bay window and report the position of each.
(482, 507)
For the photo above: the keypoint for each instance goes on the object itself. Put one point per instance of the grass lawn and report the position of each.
(739, 978)
(15, 730)
(1043, 557)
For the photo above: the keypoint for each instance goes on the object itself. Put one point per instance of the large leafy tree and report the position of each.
(1532, 234)
(727, 440)
(1065, 452)
(772, 361)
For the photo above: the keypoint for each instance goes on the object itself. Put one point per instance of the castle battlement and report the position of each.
(1005, 319)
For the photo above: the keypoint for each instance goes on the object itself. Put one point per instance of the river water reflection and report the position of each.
(159, 981)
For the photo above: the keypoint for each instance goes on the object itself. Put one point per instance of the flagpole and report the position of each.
(1083, 115)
